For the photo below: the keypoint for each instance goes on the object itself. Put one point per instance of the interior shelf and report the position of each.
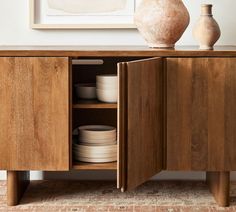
(94, 166)
(93, 104)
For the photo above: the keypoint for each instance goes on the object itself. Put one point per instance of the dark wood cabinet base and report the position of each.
(219, 185)
(17, 183)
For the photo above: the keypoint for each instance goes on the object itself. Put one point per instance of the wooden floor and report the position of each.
(82, 196)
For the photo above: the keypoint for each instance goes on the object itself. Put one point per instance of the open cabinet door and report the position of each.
(140, 115)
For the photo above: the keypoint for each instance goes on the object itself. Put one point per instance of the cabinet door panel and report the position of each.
(201, 117)
(140, 125)
(34, 115)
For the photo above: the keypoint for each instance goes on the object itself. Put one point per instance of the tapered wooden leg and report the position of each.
(219, 185)
(17, 183)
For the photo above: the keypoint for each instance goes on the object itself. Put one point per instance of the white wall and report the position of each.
(14, 25)
(14, 19)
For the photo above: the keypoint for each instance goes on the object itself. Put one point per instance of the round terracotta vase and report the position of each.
(162, 22)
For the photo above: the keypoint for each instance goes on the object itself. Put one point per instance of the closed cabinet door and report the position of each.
(34, 113)
(201, 114)
(140, 121)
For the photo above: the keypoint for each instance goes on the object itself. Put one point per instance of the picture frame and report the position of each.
(44, 18)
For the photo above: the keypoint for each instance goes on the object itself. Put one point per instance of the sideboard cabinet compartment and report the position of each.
(201, 115)
(34, 114)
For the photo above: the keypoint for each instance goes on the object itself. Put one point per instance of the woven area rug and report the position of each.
(79, 196)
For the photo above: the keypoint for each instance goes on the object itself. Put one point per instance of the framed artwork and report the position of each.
(81, 14)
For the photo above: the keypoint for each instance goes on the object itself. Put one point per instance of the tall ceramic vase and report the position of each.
(206, 30)
(161, 22)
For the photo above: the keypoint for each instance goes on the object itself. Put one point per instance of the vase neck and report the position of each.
(206, 10)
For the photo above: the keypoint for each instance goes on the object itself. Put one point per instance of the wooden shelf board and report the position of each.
(94, 104)
(94, 166)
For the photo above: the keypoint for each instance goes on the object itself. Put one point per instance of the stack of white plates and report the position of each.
(107, 88)
(97, 144)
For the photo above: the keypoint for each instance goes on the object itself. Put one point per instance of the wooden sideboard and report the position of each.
(176, 111)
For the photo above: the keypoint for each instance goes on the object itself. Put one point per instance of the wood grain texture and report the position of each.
(34, 115)
(144, 109)
(122, 127)
(114, 51)
(94, 166)
(219, 185)
(17, 183)
(201, 117)
(70, 112)
(93, 104)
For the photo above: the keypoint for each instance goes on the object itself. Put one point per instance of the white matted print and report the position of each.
(83, 13)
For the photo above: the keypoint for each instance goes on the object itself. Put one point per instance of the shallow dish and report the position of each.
(97, 132)
(98, 141)
(95, 160)
(86, 90)
(97, 155)
(91, 153)
(97, 144)
(95, 149)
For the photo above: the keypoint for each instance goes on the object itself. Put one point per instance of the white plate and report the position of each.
(97, 132)
(97, 137)
(98, 144)
(108, 155)
(105, 147)
(100, 141)
(92, 160)
(95, 148)
(95, 151)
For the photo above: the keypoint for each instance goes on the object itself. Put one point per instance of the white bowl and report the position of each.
(86, 90)
(103, 86)
(108, 79)
(109, 96)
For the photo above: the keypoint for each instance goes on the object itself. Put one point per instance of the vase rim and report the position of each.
(207, 5)
(206, 10)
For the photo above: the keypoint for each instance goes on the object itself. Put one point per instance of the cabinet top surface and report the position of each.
(116, 51)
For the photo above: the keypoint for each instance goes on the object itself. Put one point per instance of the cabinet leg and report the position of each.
(219, 185)
(17, 183)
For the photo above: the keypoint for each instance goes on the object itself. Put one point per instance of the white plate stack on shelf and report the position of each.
(97, 144)
(107, 88)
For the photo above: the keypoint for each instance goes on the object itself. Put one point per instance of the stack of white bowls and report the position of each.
(97, 144)
(107, 88)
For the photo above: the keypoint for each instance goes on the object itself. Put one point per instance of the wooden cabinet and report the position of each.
(138, 117)
(201, 115)
(176, 111)
(34, 114)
